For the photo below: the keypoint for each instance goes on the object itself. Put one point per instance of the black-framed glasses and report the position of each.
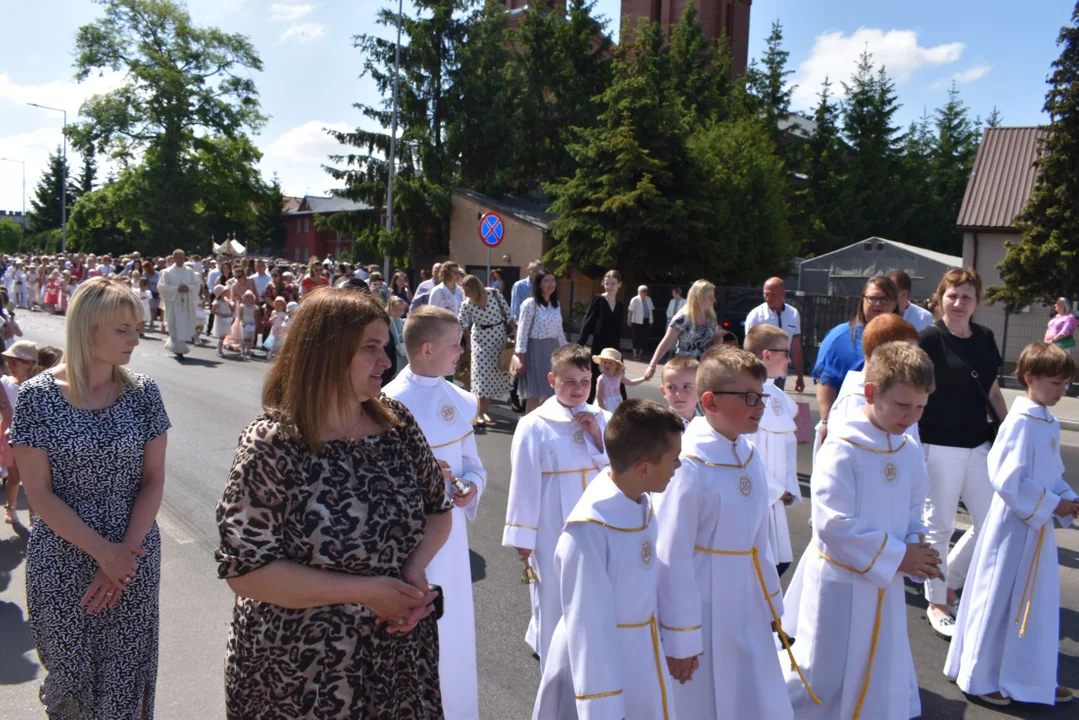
(779, 351)
(878, 300)
(752, 397)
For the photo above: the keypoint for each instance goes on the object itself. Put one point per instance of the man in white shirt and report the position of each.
(917, 316)
(428, 285)
(639, 318)
(775, 311)
(106, 268)
(261, 278)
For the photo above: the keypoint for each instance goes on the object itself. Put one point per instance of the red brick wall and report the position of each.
(715, 14)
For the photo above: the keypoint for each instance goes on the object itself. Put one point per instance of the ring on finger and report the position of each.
(401, 621)
(110, 593)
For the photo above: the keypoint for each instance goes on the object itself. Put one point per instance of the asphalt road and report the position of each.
(210, 400)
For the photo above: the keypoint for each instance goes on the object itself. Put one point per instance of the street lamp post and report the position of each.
(63, 183)
(23, 163)
(393, 136)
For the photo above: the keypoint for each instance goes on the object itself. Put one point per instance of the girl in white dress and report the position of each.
(612, 378)
(277, 324)
(222, 310)
(249, 322)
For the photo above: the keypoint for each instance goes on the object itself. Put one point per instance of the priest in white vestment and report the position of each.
(179, 288)
(1007, 635)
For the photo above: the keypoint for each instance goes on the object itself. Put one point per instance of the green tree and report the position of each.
(11, 235)
(184, 87)
(45, 204)
(918, 223)
(269, 229)
(951, 159)
(769, 82)
(1042, 265)
(700, 69)
(103, 220)
(873, 155)
(995, 118)
(84, 183)
(820, 216)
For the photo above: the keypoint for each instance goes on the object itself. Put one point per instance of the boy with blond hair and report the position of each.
(557, 450)
(719, 591)
(679, 386)
(847, 600)
(776, 440)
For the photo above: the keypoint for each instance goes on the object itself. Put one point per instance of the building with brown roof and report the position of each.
(1000, 184)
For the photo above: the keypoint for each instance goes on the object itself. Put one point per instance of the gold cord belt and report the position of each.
(772, 608)
(650, 623)
(583, 471)
(1032, 581)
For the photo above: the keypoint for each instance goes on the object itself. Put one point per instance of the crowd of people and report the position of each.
(652, 537)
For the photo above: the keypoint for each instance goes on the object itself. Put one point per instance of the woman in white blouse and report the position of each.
(448, 294)
(539, 333)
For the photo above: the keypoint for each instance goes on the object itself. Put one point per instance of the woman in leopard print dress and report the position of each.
(333, 508)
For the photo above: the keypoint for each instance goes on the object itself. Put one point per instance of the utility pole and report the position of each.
(63, 183)
(393, 138)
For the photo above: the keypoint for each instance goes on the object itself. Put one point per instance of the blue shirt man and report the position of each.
(522, 289)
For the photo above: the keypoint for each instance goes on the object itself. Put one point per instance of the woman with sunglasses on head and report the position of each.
(841, 350)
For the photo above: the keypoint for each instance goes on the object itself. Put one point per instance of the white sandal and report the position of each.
(943, 625)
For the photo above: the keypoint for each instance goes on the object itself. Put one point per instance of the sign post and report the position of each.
(492, 233)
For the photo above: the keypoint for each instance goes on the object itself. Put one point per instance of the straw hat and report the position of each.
(22, 350)
(608, 354)
(219, 290)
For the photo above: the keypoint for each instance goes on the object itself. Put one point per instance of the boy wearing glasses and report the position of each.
(776, 441)
(719, 593)
(847, 600)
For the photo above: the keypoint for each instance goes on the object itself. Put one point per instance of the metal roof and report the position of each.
(318, 205)
(526, 209)
(943, 259)
(1002, 178)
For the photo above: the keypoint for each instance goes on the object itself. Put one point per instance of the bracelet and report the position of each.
(823, 422)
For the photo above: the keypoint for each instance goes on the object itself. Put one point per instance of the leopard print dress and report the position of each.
(356, 508)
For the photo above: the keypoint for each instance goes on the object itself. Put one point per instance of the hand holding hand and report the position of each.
(183, 288)
(103, 593)
(396, 603)
(921, 560)
(120, 561)
(682, 669)
(649, 373)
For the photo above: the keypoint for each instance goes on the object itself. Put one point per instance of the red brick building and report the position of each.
(304, 241)
(718, 16)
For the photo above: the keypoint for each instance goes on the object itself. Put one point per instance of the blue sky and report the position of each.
(998, 51)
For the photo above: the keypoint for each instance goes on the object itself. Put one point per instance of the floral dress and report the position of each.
(692, 341)
(357, 508)
(102, 665)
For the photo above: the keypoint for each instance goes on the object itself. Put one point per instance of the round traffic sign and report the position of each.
(492, 229)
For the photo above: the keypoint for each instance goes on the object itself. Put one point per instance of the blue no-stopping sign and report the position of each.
(492, 229)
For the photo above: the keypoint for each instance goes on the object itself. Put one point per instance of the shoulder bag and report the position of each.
(994, 418)
(505, 360)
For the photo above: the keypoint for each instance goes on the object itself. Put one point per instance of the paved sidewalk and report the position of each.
(1066, 411)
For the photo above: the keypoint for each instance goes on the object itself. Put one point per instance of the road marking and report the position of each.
(174, 530)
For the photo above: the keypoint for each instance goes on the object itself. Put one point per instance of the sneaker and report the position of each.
(220, 354)
(1064, 695)
(996, 699)
(944, 625)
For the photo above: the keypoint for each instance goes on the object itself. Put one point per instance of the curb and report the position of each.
(1069, 425)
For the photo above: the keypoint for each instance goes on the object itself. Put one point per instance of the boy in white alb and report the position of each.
(847, 602)
(679, 387)
(776, 440)
(605, 658)
(1007, 635)
(719, 595)
(557, 449)
(444, 413)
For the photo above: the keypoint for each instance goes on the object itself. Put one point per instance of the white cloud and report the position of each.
(288, 12)
(962, 77)
(309, 142)
(32, 148)
(304, 32)
(835, 56)
(65, 94)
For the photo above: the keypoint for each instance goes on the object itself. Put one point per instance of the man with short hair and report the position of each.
(425, 287)
(261, 278)
(179, 288)
(522, 289)
(775, 311)
(919, 317)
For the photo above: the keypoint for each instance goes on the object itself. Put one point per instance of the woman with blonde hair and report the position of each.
(693, 329)
(371, 483)
(89, 439)
(487, 313)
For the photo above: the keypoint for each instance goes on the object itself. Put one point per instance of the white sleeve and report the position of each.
(588, 603)
(679, 596)
(526, 487)
(753, 319)
(524, 325)
(797, 329)
(472, 470)
(1011, 462)
(849, 540)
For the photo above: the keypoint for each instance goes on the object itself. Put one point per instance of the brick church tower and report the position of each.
(731, 16)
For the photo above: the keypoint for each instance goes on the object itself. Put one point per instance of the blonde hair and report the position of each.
(473, 288)
(94, 303)
(900, 363)
(312, 368)
(722, 364)
(761, 337)
(424, 324)
(697, 311)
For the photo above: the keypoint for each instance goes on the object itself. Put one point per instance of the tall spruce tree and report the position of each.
(86, 180)
(1042, 266)
(917, 223)
(700, 69)
(951, 159)
(820, 218)
(995, 119)
(768, 82)
(45, 204)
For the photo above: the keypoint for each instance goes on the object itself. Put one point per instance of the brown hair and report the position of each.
(679, 363)
(640, 430)
(959, 276)
(901, 280)
(312, 367)
(1040, 359)
(886, 286)
(760, 337)
(375, 276)
(885, 329)
(900, 363)
(472, 288)
(615, 274)
(578, 356)
(424, 324)
(721, 364)
(48, 356)
(448, 271)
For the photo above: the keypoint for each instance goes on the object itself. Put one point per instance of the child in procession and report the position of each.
(776, 440)
(144, 297)
(612, 378)
(444, 413)
(719, 593)
(53, 288)
(22, 364)
(277, 327)
(1007, 633)
(249, 322)
(557, 450)
(605, 655)
(847, 600)
(222, 310)
(679, 387)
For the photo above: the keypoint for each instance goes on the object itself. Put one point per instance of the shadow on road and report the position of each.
(478, 566)
(15, 666)
(938, 707)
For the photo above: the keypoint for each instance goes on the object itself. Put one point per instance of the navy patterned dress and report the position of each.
(102, 665)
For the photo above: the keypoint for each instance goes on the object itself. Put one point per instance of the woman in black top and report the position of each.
(957, 430)
(604, 320)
